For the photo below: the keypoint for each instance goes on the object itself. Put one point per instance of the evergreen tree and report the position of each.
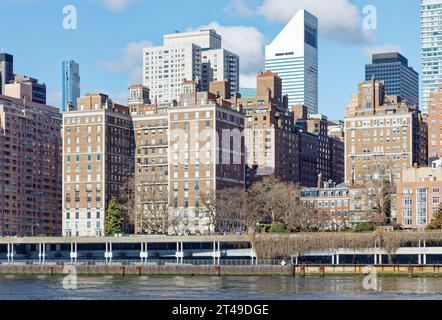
(113, 221)
(436, 223)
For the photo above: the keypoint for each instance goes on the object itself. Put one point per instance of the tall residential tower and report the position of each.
(431, 29)
(293, 54)
(70, 75)
(190, 56)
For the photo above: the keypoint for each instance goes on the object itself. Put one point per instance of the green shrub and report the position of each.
(277, 228)
(364, 227)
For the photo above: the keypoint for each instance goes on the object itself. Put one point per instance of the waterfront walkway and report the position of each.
(196, 250)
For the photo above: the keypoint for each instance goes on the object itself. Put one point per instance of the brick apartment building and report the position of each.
(30, 168)
(419, 195)
(206, 152)
(151, 142)
(185, 152)
(182, 153)
(383, 135)
(328, 150)
(97, 159)
(434, 121)
(272, 141)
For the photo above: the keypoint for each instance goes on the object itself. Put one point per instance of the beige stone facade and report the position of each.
(419, 196)
(184, 153)
(206, 153)
(383, 135)
(151, 137)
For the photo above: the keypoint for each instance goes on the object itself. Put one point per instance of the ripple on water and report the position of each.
(217, 288)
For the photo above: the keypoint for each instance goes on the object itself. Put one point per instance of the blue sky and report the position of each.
(111, 33)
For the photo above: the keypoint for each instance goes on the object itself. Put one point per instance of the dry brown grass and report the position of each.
(276, 246)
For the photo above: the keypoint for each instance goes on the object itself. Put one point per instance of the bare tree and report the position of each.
(275, 199)
(377, 197)
(149, 207)
(209, 205)
(253, 214)
(231, 209)
(340, 219)
(306, 219)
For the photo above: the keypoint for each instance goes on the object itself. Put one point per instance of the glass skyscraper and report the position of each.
(398, 77)
(293, 54)
(70, 84)
(431, 25)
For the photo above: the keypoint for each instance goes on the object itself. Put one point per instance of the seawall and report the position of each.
(250, 270)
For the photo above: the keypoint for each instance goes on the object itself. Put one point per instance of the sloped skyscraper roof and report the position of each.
(293, 54)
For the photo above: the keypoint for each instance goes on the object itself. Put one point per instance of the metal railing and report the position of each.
(148, 262)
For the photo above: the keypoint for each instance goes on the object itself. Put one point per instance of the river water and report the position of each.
(216, 288)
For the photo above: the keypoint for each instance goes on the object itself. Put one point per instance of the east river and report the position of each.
(216, 288)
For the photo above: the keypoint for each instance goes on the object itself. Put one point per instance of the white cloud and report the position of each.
(131, 59)
(239, 7)
(247, 42)
(339, 20)
(384, 48)
(248, 80)
(117, 5)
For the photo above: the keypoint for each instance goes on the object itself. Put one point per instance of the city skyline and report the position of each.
(285, 136)
(113, 67)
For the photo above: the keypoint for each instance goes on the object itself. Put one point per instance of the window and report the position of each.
(407, 212)
(421, 205)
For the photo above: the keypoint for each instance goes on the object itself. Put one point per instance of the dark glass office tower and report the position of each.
(6, 70)
(399, 78)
